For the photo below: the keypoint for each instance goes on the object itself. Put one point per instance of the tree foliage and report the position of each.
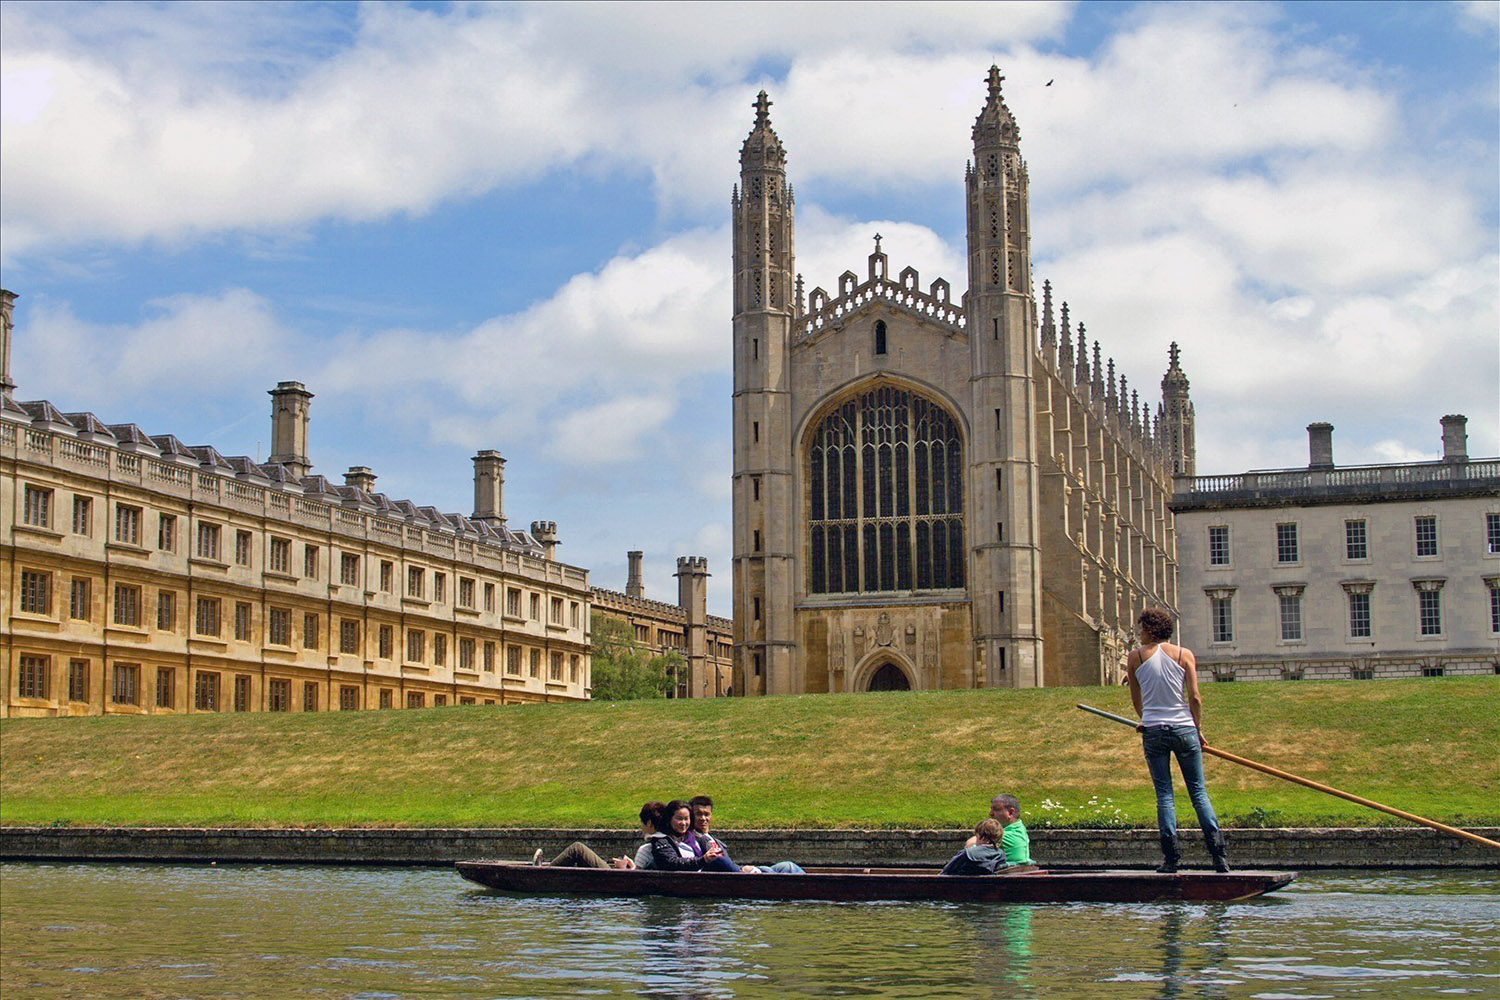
(622, 669)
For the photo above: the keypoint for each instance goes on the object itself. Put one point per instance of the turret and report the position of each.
(545, 532)
(1176, 419)
(1004, 544)
(766, 298)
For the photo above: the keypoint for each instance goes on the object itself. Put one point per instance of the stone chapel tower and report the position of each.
(764, 301)
(926, 494)
(1007, 574)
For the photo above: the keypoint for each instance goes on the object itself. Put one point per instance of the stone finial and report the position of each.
(1081, 375)
(995, 124)
(762, 108)
(762, 149)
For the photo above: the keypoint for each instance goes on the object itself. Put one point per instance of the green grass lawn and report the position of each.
(930, 759)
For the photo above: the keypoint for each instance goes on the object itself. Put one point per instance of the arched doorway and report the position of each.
(889, 677)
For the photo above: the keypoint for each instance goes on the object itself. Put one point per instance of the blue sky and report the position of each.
(471, 226)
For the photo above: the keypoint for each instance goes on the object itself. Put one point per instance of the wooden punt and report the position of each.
(1024, 885)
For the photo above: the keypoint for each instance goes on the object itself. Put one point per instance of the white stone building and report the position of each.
(1356, 572)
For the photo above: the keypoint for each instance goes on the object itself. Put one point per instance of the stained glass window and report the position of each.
(885, 471)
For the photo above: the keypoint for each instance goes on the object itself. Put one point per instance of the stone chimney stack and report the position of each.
(633, 585)
(361, 477)
(1455, 438)
(489, 486)
(545, 532)
(692, 598)
(290, 403)
(7, 305)
(1320, 446)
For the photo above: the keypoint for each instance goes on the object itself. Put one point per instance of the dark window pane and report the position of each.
(851, 559)
(955, 553)
(817, 584)
(903, 481)
(924, 556)
(903, 555)
(872, 568)
(815, 478)
(920, 465)
(887, 558)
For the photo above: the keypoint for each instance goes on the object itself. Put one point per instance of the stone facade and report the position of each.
(705, 641)
(1355, 572)
(928, 493)
(142, 576)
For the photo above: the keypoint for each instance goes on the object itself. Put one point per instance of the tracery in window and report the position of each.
(886, 475)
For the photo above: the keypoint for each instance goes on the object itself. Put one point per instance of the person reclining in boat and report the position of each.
(674, 847)
(580, 855)
(982, 855)
(650, 814)
(703, 815)
(1014, 841)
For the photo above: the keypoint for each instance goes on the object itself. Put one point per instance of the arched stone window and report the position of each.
(880, 336)
(886, 476)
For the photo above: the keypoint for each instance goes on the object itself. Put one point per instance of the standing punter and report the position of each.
(1164, 687)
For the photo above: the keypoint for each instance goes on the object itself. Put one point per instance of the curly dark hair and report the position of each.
(1156, 623)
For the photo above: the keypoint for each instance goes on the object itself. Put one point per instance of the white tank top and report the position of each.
(1162, 700)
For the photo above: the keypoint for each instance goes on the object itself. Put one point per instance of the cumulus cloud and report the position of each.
(412, 108)
(220, 344)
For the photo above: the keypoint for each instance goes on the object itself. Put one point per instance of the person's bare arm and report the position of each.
(1131, 662)
(1189, 665)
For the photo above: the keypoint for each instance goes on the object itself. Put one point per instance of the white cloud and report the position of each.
(220, 345)
(416, 107)
(611, 431)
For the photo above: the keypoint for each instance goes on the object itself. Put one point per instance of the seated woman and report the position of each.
(650, 812)
(673, 843)
(984, 856)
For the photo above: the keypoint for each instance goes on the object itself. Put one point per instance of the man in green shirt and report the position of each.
(1014, 841)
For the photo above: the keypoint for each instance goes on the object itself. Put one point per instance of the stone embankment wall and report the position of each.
(1300, 848)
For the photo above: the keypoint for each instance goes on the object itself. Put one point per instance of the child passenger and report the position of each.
(984, 856)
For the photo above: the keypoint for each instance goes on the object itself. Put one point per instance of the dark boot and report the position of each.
(1170, 855)
(1217, 852)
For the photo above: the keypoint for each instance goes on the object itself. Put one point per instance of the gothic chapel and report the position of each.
(927, 493)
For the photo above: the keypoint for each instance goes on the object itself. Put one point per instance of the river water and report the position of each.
(118, 930)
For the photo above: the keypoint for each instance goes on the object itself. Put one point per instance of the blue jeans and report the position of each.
(1160, 743)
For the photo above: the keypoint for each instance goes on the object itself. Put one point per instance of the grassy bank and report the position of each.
(1431, 746)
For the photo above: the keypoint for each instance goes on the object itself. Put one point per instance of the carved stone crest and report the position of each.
(885, 635)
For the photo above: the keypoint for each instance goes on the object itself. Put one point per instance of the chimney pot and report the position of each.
(361, 477)
(489, 488)
(1455, 438)
(1320, 446)
(290, 404)
(634, 587)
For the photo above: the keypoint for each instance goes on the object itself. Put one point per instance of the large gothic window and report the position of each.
(886, 471)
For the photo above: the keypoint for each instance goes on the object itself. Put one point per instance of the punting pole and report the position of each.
(1316, 786)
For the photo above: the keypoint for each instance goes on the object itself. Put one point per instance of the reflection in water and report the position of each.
(253, 931)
